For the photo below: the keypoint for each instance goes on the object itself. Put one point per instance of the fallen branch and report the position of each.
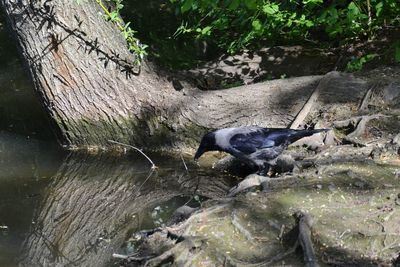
(305, 110)
(364, 103)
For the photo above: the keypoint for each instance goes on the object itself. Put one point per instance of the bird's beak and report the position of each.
(199, 152)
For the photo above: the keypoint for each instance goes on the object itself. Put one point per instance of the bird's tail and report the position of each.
(304, 133)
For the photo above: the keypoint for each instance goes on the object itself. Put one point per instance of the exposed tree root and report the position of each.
(359, 124)
(305, 222)
(175, 238)
(301, 235)
(184, 250)
(255, 180)
(240, 228)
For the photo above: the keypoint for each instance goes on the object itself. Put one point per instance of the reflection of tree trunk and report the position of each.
(92, 200)
(83, 73)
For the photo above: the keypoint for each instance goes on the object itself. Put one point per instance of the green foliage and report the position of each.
(113, 15)
(357, 63)
(238, 24)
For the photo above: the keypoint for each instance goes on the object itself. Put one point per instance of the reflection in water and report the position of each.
(25, 168)
(92, 203)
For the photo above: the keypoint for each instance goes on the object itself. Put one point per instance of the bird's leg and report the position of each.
(265, 172)
(243, 157)
(263, 169)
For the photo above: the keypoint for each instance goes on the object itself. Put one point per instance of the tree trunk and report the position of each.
(85, 78)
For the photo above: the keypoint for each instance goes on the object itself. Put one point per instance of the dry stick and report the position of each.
(305, 110)
(137, 149)
(147, 178)
(184, 163)
(120, 256)
(364, 103)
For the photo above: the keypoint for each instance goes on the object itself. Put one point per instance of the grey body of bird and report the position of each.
(256, 146)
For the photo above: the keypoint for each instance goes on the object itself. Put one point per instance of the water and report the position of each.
(26, 167)
(74, 209)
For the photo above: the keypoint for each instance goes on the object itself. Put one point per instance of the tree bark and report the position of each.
(85, 78)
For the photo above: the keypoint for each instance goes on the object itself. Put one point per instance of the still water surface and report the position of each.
(59, 208)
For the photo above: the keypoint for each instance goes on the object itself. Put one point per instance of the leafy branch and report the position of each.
(134, 45)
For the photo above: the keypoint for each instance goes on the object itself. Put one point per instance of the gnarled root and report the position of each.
(359, 125)
(301, 234)
(254, 180)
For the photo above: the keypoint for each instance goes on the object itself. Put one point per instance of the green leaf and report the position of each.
(206, 30)
(251, 4)
(127, 25)
(187, 5)
(234, 4)
(308, 2)
(257, 26)
(379, 8)
(358, 63)
(353, 9)
(309, 23)
(270, 9)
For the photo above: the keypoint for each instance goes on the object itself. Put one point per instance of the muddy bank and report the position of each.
(347, 182)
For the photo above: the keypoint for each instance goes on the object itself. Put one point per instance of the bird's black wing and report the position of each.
(250, 142)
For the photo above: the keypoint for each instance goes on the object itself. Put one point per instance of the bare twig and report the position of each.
(364, 103)
(120, 256)
(344, 232)
(147, 178)
(153, 166)
(184, 163)
(281, 232)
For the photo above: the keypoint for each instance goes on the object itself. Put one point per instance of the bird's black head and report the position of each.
(206, 144)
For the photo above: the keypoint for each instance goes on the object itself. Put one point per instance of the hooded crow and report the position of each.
(256, 146)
